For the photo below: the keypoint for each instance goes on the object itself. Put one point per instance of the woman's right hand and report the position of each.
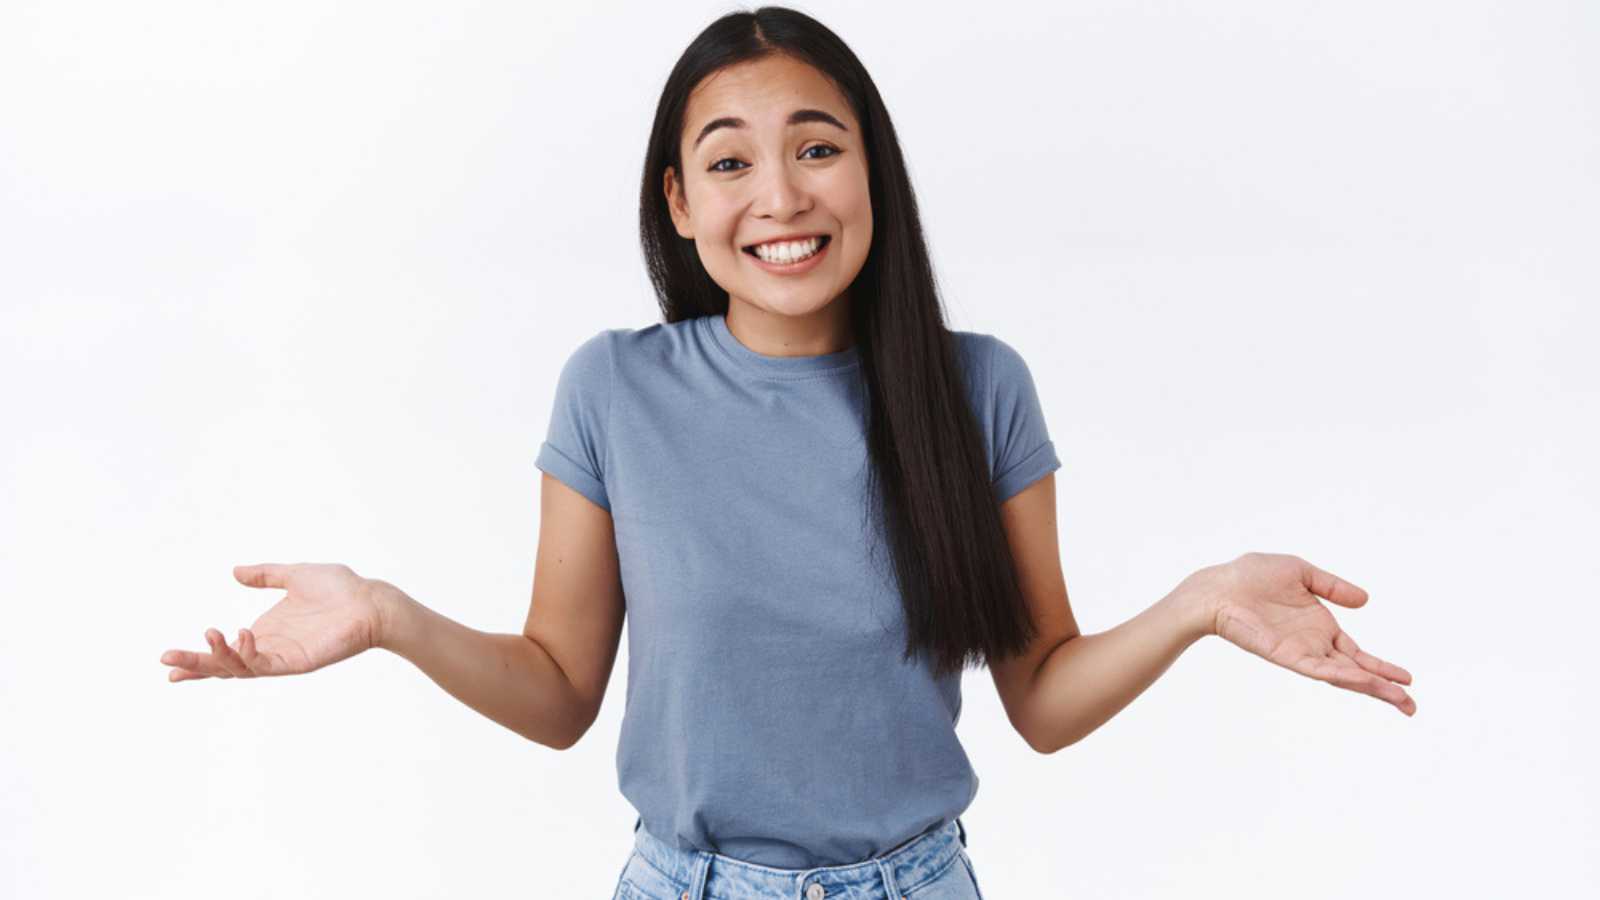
(329, 613)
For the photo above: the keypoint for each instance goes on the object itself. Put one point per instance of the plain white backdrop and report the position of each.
(292, 282)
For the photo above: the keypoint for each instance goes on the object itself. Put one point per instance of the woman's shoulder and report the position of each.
(971, 343)
(975, 350)
(641, 348)
(993, 365)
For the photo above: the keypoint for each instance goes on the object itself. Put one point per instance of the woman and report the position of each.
(818, 505)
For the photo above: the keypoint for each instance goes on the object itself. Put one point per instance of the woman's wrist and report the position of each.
(1198, 597)
(393, 613)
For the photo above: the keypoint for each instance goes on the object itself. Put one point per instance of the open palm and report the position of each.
(326, 616)
(1267, 603)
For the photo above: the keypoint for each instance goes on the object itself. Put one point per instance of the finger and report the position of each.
(202, 663)
(259, 663)
(1365, 660)
(224, 654)
(247, 651)
(1331, 587)
(228, 656)
(187, 659)
(1354, 678)
(185, 675)
(262, 575)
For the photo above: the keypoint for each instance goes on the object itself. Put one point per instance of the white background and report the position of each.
(292, 282)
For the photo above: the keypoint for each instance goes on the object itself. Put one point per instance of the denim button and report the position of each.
(814, 892)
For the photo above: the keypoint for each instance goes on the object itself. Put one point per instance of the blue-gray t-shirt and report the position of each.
(769, 715)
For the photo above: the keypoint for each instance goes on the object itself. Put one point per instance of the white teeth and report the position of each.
(788, 251)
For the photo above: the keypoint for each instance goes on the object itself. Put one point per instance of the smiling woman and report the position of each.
(838, 555)
(813, 505)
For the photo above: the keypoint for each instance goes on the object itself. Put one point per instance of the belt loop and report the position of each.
(963, 829)
(887, 869)
(697, 880)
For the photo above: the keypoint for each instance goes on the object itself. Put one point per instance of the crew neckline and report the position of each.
(780, 366)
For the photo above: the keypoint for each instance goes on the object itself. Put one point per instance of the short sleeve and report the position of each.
(1020, 442)
(574, 449)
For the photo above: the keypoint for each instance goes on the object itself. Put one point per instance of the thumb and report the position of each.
(1330, 587)
(262, 575)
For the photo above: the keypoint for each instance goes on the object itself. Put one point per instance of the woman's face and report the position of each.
(767, 176)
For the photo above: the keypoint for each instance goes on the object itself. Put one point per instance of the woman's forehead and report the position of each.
(761, 93)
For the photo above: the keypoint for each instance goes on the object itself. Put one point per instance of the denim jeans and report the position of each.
(931, 866)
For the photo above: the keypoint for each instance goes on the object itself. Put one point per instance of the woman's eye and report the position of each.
(832, 151)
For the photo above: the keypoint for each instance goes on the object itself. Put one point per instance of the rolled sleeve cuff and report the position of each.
(1041, 462)
(568, 472)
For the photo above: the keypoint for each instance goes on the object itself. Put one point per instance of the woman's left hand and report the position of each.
(1267, 604)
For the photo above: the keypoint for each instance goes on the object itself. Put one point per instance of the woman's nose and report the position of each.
(781, 194)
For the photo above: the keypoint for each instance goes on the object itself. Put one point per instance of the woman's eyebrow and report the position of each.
(798, 117)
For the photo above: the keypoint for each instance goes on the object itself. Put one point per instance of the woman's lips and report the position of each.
(794, 268)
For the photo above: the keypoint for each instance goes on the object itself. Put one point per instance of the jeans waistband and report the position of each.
(713, 876)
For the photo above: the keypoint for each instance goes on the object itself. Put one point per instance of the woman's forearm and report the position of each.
(508, 677)
(1092, 677)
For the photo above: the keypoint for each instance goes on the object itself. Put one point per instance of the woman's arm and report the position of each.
(1068, 684)
(547, 683)
(1089, 678)
(510, 678)
(1267, 603)
(330, 614)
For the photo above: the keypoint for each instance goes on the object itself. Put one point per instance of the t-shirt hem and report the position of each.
(1041, 462)
(571, 474)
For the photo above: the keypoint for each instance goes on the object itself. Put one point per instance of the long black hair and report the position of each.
(929, 474)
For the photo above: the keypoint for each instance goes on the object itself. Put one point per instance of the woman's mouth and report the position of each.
(789, 257)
